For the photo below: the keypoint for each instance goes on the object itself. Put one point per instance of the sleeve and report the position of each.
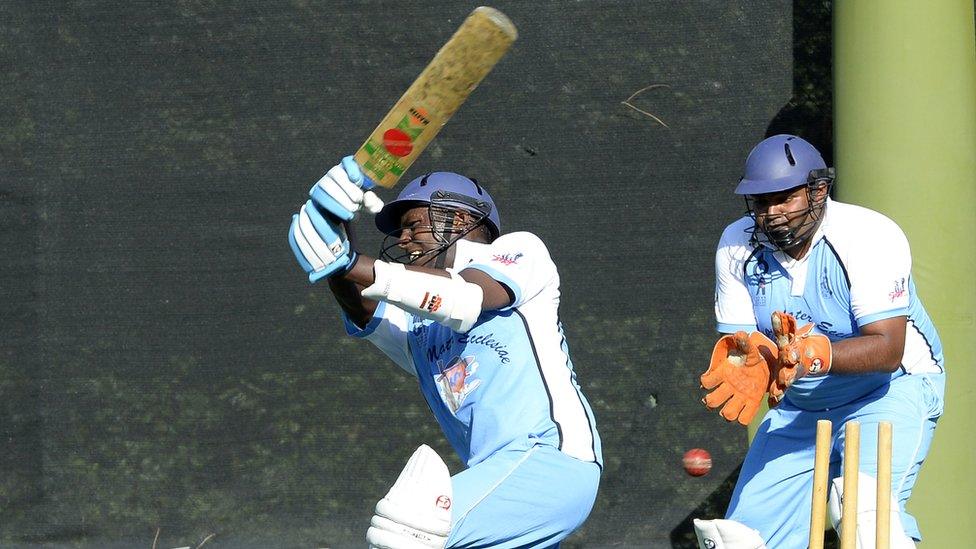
(521, 262)
(733, 305)
(388, 332)
(880, 267)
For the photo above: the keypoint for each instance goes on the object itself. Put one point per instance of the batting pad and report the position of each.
(867, 513)
(416, 512)
(726, 534)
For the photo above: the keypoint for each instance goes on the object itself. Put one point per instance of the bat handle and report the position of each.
(368, 184)
(350, 165)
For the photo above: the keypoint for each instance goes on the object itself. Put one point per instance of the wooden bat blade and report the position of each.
(437, 93)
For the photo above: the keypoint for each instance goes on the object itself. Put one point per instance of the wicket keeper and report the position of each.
(818, 300)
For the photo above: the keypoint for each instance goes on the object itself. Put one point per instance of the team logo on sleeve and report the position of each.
(507, 259)
(455, 382)
(899, 290)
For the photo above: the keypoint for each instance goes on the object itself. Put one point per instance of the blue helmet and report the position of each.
(779, 163)
(444, 189)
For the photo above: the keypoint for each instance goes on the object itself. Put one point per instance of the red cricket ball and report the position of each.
(697, 462)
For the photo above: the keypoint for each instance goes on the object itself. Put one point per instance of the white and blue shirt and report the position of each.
(857, 271)
(509, 382)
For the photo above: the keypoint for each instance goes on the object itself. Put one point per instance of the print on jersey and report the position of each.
(899, 290)
(760, 274)
(455, 382)
(825, 283)
(507, 259)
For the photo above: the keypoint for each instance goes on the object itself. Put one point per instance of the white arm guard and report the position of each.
(416, 513)
(453, 302)
(866, 513)
(726, 534)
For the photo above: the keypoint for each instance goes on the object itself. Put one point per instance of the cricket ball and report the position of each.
(697, 462)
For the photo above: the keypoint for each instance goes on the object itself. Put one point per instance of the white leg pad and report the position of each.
(416, 513)
(727, 534)
(866, 513)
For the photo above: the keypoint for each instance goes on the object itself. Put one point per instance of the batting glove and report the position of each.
(344, 191)
(320, 244)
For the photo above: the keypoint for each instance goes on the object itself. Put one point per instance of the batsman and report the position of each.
(822, 318)
(473, 315)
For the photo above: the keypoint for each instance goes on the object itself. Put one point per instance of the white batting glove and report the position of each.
(341, 192)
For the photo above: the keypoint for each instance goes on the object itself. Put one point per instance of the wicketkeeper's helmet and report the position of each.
(780, 163)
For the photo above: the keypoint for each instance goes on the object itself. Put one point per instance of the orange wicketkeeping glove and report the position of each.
(739, 375)
(801, 353)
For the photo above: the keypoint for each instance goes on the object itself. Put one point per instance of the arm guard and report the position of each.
(453, 302)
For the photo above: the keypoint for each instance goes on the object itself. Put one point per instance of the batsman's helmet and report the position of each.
(442, 189)
(444, 194)
(779, 163)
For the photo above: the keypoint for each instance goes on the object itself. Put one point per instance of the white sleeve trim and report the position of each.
(733, 305)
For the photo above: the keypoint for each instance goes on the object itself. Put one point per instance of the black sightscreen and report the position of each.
(166, 368)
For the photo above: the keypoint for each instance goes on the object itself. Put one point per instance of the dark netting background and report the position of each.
(167, 370)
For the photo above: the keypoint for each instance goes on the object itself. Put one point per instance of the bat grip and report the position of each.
(350, 165)
(368, 184)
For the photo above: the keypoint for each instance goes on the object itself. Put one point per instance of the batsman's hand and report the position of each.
(738, 375)
(320, 243)
(801, 353)
(344, 190)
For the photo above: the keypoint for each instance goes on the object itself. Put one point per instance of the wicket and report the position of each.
(821, 479)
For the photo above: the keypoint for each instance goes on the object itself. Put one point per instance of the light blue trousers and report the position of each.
(773, 493)
(522, 498)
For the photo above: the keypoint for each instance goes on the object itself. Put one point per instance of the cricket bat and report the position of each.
(449, 78)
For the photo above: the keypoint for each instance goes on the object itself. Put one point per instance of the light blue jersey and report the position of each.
(506, 396)
(857, 271)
